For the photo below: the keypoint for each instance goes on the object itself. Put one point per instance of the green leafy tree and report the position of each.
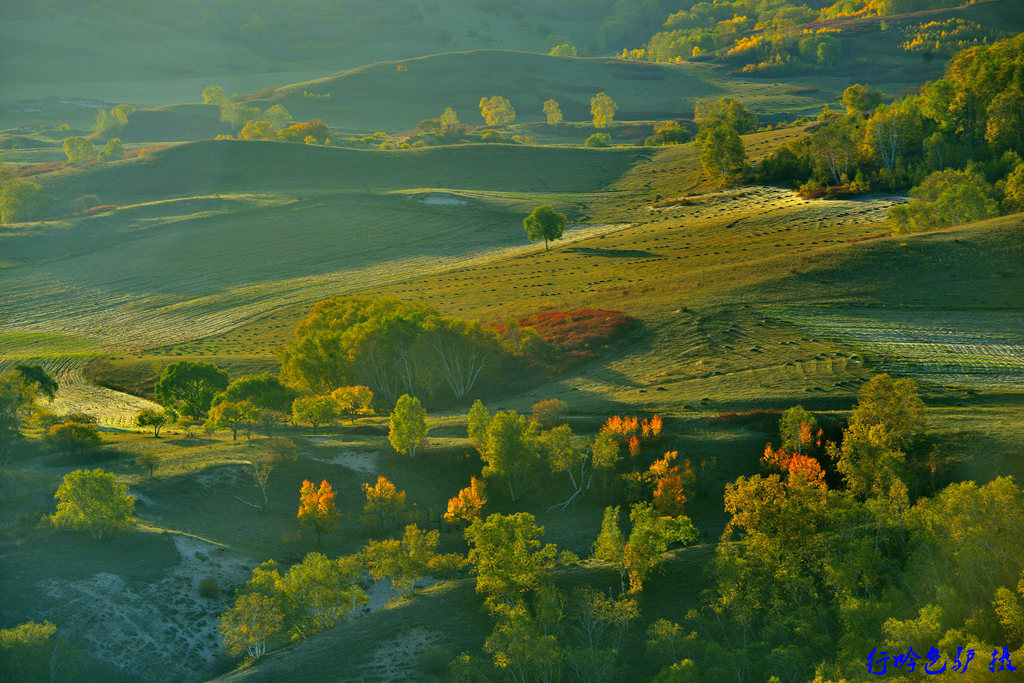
(249, 624)
(22, 200)
(598, 140)
(120, 114)
(721, 150)
(266, 392)
(564, 50)
(17, 399)
(112, 151)
(497, 111)
(192, 384)
(231, 415)
(508, 557)
(639, 555)
(408, 425)
(149, 417)
(858, 99)
(278, 116)
(36, 375)
(603, 109)
(315, 410)
(552, 112)
(214, 94)
(479, 420)
(405, 561)
(511, 451)
(79, 150)
(944, 198)
(796, 430)
(449, 120)
(30, 652)
(1014, 189)
(544, 222)
(728, 111)
(93, 501)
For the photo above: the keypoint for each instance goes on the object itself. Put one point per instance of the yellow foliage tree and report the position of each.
(466, 506)
(603, 108)
(316, 507)
(497, 111)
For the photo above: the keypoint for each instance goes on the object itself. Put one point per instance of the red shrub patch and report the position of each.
(577, 335)
(26, 171)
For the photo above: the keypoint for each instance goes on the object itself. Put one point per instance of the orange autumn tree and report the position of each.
(670, 481)
(316, 507)
(466, 506)
(800, 469)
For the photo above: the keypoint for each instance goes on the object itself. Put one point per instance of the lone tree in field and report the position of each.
(603, 108)
(192, 384)
(497, 111)
(74, 438)
(149, 460)
(316, 410)
(93, 501)
(721, 150)
(149, 417)
(553, 112)
(316, 507)
(544, 222)
(408, 425)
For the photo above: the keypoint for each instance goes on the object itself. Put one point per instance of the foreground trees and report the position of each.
(93, 501)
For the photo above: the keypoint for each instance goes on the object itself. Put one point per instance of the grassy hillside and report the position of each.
(382, 97)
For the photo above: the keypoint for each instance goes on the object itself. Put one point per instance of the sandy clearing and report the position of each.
(396, 659)
(159, 631)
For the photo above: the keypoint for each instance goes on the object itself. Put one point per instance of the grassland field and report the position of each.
(749, 298)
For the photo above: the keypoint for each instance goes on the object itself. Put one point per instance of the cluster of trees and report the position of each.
(21, 388)
(764, 37)
(109, 122)
(272, 124)
(958, 143)
(390, 346)
(839, 554)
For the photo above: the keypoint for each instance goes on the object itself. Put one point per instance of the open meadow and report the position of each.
(703, 298)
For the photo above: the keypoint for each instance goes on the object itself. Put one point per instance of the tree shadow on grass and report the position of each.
(611, 253)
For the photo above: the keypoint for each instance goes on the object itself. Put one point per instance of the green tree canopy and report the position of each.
(721, 150)
(408, 425)
(192, 384)
(266, 392)
(93, 501)
(79, 150)
(512, 450)
(544, 222)
(728, 111)
(508, 557)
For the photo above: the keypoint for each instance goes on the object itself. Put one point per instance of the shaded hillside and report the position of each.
(219, 166)
(383, 97)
